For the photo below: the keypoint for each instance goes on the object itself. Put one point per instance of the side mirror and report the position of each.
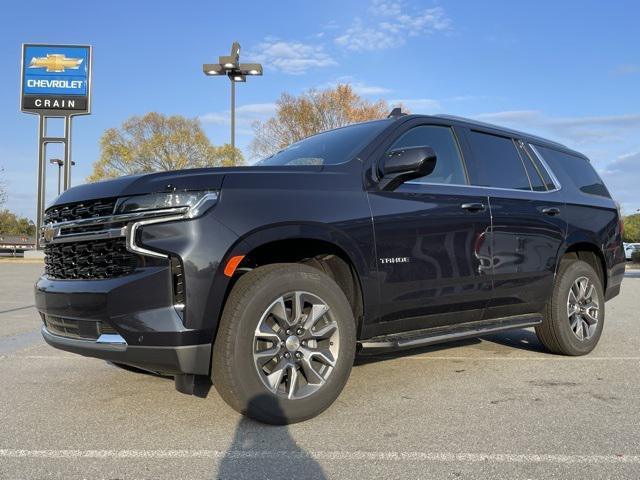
(403, 164)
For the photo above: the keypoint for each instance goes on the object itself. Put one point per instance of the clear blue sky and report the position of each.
(566, 70)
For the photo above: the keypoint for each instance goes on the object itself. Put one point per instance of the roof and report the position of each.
(16, 240)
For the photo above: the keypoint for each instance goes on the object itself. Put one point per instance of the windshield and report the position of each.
(328, 148)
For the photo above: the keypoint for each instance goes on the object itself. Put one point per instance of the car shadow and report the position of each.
(266, 451)
(521, 339)
(132, 369)
(201, 387)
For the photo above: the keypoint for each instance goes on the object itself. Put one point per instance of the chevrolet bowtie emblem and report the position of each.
(49, 233)
(55, 62)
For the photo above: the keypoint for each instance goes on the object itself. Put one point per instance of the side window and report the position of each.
(449, 167)
(578, 169)
(498, 162)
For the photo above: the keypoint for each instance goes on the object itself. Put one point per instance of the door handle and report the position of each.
(473, 207)
(551, 211)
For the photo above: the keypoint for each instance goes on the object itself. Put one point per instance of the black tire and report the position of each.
(234, 373)
(555, 331)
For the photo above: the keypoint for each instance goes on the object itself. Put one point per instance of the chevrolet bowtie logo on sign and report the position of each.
(56, 79)
(55, 62)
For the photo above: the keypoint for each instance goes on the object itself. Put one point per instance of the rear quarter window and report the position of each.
(579, 170)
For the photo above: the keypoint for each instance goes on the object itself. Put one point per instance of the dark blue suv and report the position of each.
(382, 235)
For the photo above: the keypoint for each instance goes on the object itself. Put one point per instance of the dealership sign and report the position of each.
(56, 79)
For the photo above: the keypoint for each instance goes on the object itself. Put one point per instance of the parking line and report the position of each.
(546, 359)
(445, 457)
(11, 310)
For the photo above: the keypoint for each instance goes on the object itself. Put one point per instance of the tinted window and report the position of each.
(449, 167)
(578, 169)
(498, 163)
(330, 147)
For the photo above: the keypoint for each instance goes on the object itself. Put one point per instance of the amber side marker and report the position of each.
(232, 264)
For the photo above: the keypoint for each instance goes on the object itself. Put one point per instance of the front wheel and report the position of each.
(574, 316)
(285, 345)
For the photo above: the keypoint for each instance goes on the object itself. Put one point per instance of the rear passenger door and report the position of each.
(528, 222)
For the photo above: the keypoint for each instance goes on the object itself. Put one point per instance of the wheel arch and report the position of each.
(317, 245)
(587, 251)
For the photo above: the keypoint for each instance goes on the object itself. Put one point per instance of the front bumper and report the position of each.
(165, 359)
(145, 329)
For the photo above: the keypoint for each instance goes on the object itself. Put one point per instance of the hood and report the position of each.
(192, 179)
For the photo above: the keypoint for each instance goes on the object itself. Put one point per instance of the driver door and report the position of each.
(434, 258)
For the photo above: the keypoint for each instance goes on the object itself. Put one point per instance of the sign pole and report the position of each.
(67, 153)
(42, 169)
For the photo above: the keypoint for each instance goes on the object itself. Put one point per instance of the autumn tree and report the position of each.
(312, 112)
(156, 142)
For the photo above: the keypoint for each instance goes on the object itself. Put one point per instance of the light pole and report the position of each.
(230, 66)
(60, 163)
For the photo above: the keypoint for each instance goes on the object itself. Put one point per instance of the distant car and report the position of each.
(629, 248)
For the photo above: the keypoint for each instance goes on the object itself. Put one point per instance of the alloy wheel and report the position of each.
(296, 345)
(583, 308)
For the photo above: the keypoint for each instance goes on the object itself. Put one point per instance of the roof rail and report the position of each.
(396, 113)
(498, 127)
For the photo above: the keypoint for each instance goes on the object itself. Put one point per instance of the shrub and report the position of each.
(635, 256)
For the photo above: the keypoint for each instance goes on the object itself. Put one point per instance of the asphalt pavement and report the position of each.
(497, 407)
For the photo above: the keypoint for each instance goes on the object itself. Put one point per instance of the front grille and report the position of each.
(93, 259)
(80, 211)
(71, 328)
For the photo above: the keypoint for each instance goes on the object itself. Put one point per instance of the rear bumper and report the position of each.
(192, 359)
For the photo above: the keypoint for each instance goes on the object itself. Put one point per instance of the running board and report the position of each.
(432, 336)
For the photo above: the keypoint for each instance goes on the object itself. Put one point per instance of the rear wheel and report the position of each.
(574, 316)
(285, 345)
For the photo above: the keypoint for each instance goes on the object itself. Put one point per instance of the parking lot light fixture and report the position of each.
(60, 164)
(230, 66)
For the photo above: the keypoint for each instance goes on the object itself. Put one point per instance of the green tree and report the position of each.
(156, 142)
(11, 224)
(631, 228)
(312, 112)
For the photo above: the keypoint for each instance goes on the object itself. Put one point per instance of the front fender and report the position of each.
(363, 264)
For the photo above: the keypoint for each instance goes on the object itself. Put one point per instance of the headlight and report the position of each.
(192, 203)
